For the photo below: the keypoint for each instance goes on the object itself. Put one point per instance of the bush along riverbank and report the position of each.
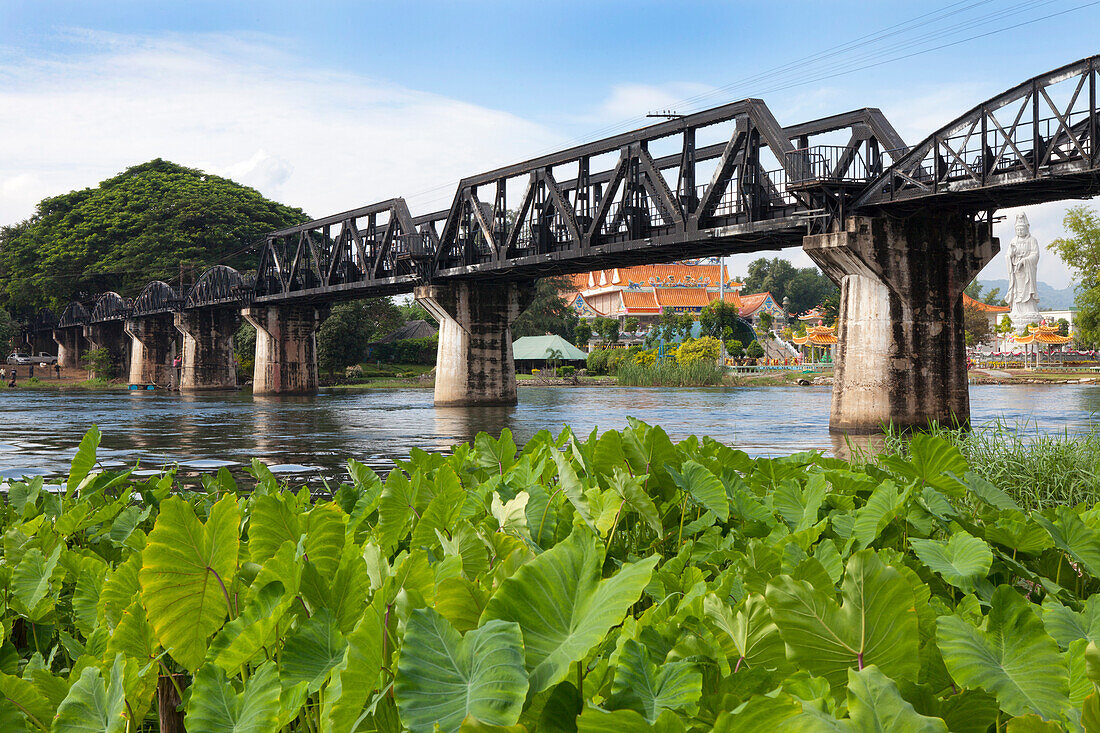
(596, 583)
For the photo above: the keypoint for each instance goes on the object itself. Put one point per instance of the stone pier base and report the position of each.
(208, 359)
(153, 347)
(109, 335)
(69, 345)
(286, 348)
(474, 363)
(901, 359)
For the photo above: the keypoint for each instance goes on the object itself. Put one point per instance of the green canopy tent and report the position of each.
(534, 352)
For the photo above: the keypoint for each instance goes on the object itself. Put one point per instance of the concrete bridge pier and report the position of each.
(69, 345)
(208, 361)
(474, 363)
(109, 335)
(152, 348)
(901, 357)
(286, 348)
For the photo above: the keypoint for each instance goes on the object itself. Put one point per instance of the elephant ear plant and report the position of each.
(609, 582)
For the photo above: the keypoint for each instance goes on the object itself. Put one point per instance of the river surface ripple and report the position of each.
(312, 437)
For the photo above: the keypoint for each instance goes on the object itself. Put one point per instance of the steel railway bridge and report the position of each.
(901, 229)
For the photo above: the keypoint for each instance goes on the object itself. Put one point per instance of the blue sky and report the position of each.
(333, 105)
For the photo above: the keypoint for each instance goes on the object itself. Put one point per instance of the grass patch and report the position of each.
(1037, 470)
(701, 373)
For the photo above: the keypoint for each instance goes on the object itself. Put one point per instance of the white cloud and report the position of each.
(240, 107)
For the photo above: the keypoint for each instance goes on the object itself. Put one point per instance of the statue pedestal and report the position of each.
(1023, 314)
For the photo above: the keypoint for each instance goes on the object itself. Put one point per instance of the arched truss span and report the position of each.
(156, 297)
(75, 314)
(219, 285)
(110, 306)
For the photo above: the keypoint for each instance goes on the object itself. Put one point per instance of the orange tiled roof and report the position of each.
(730, 296)
(752, 302)
(649, 275)
(969, 302)
(817, 336)
(683, 297)
(640, 301)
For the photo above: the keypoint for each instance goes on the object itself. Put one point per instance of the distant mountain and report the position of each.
(1049, 298)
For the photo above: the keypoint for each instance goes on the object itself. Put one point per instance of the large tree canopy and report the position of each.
(548, 311)
(806, 287)
(1080, 249)
(135, 227)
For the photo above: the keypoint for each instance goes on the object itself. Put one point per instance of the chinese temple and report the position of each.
(817, 337)
(646, 291)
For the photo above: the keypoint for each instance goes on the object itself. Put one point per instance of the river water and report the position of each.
(311, 437)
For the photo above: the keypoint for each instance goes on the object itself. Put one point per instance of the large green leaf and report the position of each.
(83, 461)
(311, 652)
(217, 707)
(751, 632)
(885, 504)
(1067, 626)
(26, 700)
(876, 706)
(443, 677)
(563, 606)
(1073, 536)
(356, 677)
(933, 461)
(91, 706)
(186, 571)
(32, 583)
(647, 688)
(240, 640)
(696, 480)
(595, 720)
(875, 624)
(1013, 657)
(962, 561)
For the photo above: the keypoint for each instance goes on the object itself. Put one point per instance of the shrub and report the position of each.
(567, 371)
(597, 361)
(755, 350)
(646, 358)
(735, 348)
(618, 356)
(100, 363)
(705, 348)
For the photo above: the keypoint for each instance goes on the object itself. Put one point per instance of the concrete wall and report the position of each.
(474, 363)
(286, 348)
(901, 357)
(153, 347)
(208, 359)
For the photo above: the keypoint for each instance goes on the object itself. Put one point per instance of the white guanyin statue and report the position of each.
(1023, 263)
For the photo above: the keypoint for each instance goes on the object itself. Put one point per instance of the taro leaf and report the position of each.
(83, 461)
(877, 623)
(273, 521)
(133, 637)
(696, 480)
(875, 705)
(91, 706)
(460, 602)
(1074, 537)
(443, 510)
(1067, 626)
(751, 631)
(217, 707)
(354, 680)
(767, 714)
(443, 677)
(498, 455)
(240, 640)
(572, 487)
(563, 606)
(989, 493)
(884, 505)
(186, 570)
(395, 508)
(311, 652)
(630, 490)
(1013, 658)
(559, 714)
(962, 561)
(799, 505)
(31, 583)
(511, 515)
(21, 696)
(119, 588)
(85, 599)
(1033, 724)
(932, 460)
(647, 688)
(595, 720)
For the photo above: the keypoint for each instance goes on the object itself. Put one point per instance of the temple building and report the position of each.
(646, 291)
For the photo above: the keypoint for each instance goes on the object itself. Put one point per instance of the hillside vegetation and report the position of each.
(132, 228)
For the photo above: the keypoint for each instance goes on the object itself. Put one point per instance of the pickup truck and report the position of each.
(40, 358)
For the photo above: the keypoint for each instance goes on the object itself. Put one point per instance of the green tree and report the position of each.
(630, 325)
(1080, 249)
(975, 325)
(244, 351)
(770, 276)
(413, 311)
(548, 311)
(8, 329)
(717, 317)
(735, 348)
(765, 320)
(607, 329)
(754, 350)
(807, 290)
(1063, 327)
(343, 337)
(830, 308)
(582, 333)
(132, 228)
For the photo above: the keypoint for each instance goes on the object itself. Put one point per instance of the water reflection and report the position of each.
(39, 431)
